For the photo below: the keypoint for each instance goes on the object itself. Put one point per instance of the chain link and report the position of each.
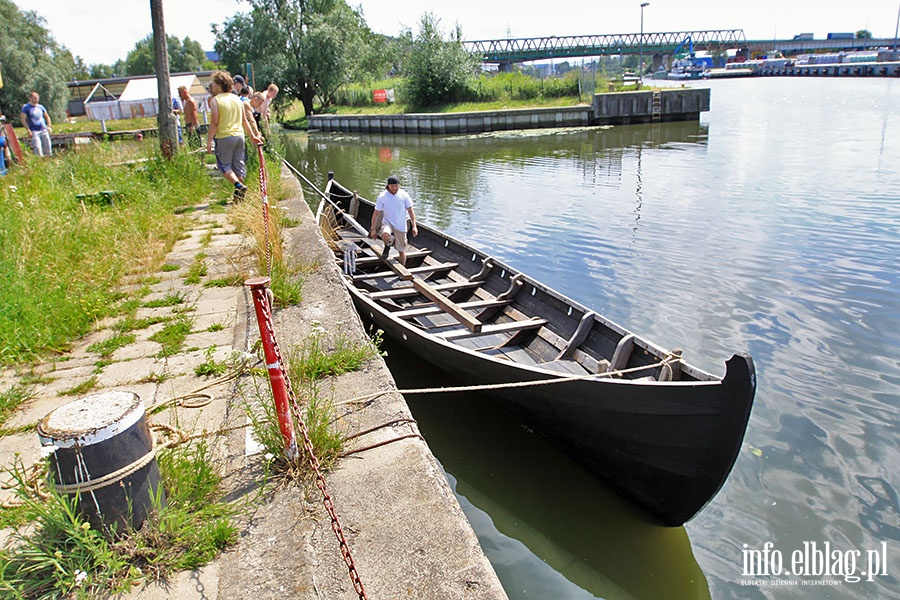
(264, 192)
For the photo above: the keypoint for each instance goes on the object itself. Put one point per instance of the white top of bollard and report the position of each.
(91, 419)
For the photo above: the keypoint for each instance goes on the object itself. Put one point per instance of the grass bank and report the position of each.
(69, 245)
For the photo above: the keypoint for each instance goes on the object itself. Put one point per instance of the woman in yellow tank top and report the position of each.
(226, 131)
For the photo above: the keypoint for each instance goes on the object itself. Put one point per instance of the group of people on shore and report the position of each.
(234, 108)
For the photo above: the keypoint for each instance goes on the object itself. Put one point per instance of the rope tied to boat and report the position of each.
(666, 361)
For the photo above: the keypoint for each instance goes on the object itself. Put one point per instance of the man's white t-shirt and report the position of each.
(394, 207)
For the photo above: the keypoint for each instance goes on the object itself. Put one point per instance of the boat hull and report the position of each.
(667, 445)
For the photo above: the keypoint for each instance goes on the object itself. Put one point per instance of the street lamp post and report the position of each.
(641, 61)
(896, 29)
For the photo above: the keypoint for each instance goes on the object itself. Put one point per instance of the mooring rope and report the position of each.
(508, 385)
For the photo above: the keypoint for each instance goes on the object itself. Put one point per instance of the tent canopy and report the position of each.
(142, 89)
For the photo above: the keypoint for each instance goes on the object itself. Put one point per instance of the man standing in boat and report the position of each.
(391, 209)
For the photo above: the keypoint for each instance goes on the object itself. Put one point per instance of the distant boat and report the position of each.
(686, 64)
(663, 432)
(687, 69)
(660, 73)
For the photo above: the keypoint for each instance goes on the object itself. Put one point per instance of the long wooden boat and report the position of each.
(664, 433)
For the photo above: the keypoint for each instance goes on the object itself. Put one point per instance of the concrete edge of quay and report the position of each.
(620, 108)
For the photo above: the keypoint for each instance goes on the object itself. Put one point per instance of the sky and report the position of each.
(103, 31)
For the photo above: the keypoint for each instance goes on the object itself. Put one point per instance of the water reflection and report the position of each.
(451, 175)
(771, 226)
(573, 538)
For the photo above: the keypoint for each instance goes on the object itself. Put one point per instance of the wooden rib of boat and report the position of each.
(664, 433)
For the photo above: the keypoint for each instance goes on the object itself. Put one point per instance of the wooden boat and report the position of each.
(662, 432)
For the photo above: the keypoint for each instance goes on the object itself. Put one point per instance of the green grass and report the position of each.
(131, 323)
(62, 556)
(197, 270)
(82, 388)
(11, 398)
(225, 281)
(172, 336)
(210, 367)
(317, 357)
(173, 299)
(67, 259)
(106, 348)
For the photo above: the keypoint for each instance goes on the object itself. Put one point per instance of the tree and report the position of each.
(165, 118)
(307, 47)
(333, 49)
(31, 60)
(101, 71)
(864, 34)
(184, 55)
(437, 71)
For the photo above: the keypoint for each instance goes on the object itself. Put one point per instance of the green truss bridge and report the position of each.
(518, 50)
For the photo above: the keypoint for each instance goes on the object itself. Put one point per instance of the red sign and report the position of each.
(379, 96)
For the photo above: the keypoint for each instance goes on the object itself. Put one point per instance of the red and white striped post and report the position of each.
(274, 364)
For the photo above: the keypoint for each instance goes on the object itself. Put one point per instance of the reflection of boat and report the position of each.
(663, 432)
(528, 504)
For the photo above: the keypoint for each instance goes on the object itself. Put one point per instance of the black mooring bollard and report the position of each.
(103, 451)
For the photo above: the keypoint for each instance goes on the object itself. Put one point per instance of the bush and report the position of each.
(437, 71)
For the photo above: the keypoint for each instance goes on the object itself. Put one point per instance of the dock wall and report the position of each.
(680, 104)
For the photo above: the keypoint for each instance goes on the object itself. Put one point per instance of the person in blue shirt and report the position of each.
(178, 108)
(4, 151)
(36, 120)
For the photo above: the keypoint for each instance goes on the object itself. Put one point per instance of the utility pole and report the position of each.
(896, 29)
(641, 61)
(165, 118)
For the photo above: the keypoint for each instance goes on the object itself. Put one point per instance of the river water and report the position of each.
(772, 226)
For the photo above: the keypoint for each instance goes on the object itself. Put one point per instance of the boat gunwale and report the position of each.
(700, 376)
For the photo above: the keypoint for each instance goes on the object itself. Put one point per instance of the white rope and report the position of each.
(510, 385)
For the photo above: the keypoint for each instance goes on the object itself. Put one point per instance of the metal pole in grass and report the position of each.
(258, 290)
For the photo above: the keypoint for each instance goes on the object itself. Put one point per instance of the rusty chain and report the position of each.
(264, 192)
(314, 463)
(295, 407)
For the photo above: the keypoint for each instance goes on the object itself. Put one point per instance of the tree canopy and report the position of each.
(30, 59)
(308, 47)
(436, 70)
(184, 55)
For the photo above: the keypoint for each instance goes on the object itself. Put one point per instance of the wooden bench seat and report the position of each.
(409, 290)
(423, 270)
(423, 311)
(508, 327)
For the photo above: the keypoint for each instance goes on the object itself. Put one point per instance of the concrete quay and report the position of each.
(404, 526)
(678, 104)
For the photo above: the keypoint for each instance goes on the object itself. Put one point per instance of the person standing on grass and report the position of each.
(391, 209)
(271, 92)
(228, 122)
(36, 120)
(191, 122)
